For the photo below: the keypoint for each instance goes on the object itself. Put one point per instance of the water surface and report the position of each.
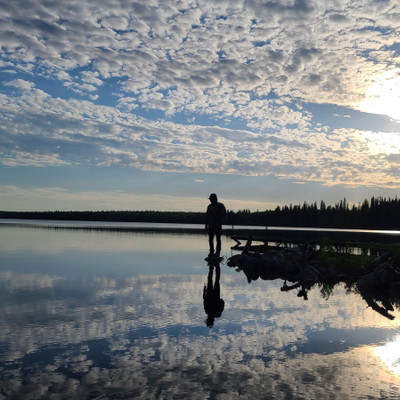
(120, 314)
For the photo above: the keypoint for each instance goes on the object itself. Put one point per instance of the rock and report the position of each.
(289, 268)
(395, 286)
(269, 274)
(386, 277)
(237, 260)
(272, 260)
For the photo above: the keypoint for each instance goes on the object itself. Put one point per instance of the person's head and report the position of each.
(213, 198)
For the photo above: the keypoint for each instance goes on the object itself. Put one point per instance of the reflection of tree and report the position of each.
(213, 304)
(326, 289)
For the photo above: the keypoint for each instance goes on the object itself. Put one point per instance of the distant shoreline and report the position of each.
(109, 216)
(376, 214)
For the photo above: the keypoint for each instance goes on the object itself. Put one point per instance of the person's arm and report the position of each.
(221, 212)
(224, 212)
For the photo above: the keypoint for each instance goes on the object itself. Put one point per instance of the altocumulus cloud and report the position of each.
(196, 86)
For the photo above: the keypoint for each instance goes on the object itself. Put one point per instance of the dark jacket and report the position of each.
(216, 213)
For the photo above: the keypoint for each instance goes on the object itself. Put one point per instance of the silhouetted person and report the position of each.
(216, 213)
(213, 304)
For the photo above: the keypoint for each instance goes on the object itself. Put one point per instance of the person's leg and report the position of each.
(218, 231)
(211, 239)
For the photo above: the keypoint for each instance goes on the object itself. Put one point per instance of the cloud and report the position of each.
(139, 67)
(50, 198)
(58, 198)
(21, 84)
(183, 47)
(68, 132)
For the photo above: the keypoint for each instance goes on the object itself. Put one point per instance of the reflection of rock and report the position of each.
(380, 285)
(368, 282)
(378, 282)
(289, 263)
(237, 260)
(307, 274)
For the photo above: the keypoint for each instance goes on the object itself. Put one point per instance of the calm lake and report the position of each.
(120, 314)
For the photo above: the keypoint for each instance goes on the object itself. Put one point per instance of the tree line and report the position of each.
(377, 213)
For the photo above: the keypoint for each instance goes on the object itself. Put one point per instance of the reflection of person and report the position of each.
(216, 213)
(213, 304)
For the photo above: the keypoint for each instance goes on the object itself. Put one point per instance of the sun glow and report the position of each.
(382, 142)
(390, 355)
(383, 96)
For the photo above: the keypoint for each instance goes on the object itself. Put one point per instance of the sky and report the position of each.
(153, 105)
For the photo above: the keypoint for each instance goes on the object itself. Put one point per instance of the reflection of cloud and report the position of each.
(26, 282)
(226, 62)
(145, 335)
(390, 355)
